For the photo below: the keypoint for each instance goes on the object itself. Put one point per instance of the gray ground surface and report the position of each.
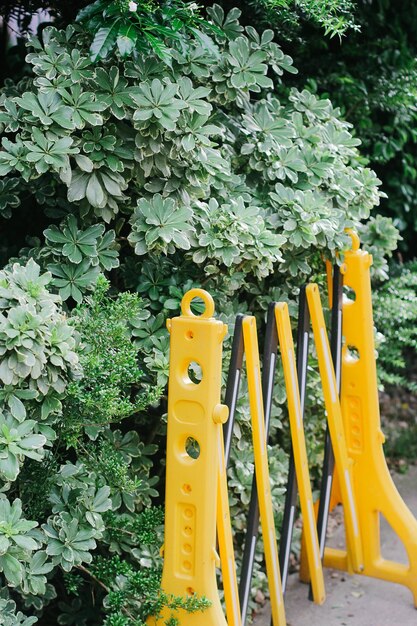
(356, 600)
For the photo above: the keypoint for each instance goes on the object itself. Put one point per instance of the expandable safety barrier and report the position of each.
(278, 331)
(198, 448)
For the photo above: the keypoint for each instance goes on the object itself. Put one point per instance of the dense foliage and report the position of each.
(395, 313)
(287, 17)
(371, 74)
(164, 165)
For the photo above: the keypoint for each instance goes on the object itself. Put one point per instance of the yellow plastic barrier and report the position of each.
(196, 485)
(225, 536)
(335, 422)
(300, 453)
(195, 417)
(374, 490)
(250, 339)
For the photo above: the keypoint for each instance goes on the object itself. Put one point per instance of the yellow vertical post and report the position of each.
(195, 417)
(300, 453)
(262, 471)
(375, 492)
(335, 421)
(335, 497)
(225, 536)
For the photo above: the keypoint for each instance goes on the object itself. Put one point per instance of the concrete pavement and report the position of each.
(356, 600)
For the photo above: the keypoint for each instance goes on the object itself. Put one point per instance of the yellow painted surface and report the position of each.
(225, 536)
(300, 453)
(374, 490)
(194, 415)
(336, 429)
(250, 339)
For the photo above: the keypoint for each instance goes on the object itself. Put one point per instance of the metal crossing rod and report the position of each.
(329, 462)
(233, 384)
(303, 336)
(252, 528)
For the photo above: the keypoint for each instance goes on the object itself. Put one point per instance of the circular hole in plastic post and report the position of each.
(197, 303)
(197, 306)
(349, 294)
(192, 448)
(190, 591)
(189, 334)
(353, 353)
(186, 488)
(194, 373)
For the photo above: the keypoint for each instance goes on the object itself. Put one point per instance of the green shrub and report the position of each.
(370, 73)
(380, 238)
(395, 316)
(334, 17)
(65, 382)
(292, 162)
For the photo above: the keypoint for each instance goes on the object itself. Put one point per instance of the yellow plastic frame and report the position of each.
(300, 452)
(194, 413)
(374, 489)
